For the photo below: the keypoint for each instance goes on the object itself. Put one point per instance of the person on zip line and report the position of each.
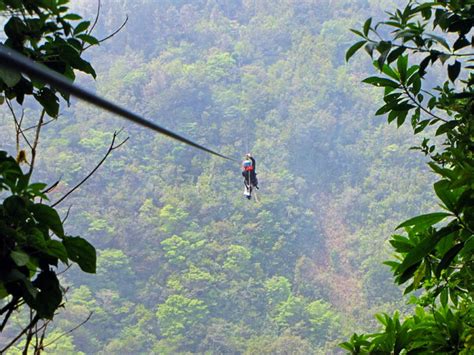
(250, 175)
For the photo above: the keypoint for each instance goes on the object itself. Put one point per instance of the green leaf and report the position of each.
(50, 296)
(395, 54)
(56, 248)
(448, 258)
(444, 297)
(440, 40)
(401, 244)
(347, 346)
(20, 258)
(352, 50)
(9, 77)
(81, 27)
(49, 101)
(72, 17)
(88, 39)
(443, 191)
(425, 247)
(48, 216)
(82, 252)
(366, 27)
(454, 70)
(402, 64)
(423, 221)
(377, 81)
(446, 127)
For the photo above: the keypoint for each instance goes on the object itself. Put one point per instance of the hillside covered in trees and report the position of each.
(185, 263)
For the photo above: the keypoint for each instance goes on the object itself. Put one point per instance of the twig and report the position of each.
(421, 106)
(29, 336)
(69, 331)
(36, 126)
(112, 147)
(32, 324)
(7, 316)
(18, 126)
(35, 142)
(43, 328)
(96, 18)
(111, 35)
(67, 214)
(62, 272)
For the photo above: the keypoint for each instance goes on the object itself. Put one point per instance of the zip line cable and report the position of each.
(15, 61)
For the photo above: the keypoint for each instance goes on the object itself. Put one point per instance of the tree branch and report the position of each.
(96, 18)
(111, 148)
(32, 324)
(69, 331)
(36, 141)
(421, 106)
(18, 129)
(111, 35)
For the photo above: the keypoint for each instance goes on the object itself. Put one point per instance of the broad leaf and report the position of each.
(454, 70)
(82, 252)
(424, 221)
(50, 296)
(47, 215)
(377, 81)
(425, 247)
(448, 258)
(20, 258)
(353, 49)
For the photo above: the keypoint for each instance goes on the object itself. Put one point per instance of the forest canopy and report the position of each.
(184, 263)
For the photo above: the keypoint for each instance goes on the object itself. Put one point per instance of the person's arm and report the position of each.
(253, 163)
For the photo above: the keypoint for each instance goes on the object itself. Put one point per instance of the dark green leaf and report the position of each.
(50, 296)
(423, 248)
(20, 258)
(461, 42)
(47, 215)
(448, 258)
(444, 297)
(377, 81)
(90, 39)
(395, 54)
(82, 252)
(56, 248)
(423, 221)
(367, 26)
(352, 50)
(72, 17)
(49, 101)
(446, 127)
(9, 77)
(442, 171)
(402, 65)
(15, 207)
(454, 70)
(81, 27)
(446, 194)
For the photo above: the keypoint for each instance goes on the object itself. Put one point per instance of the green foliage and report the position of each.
(178, 314)
(45, 32)
(436, 252)
(29, 250)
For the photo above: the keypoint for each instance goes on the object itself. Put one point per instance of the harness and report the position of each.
(247, 165)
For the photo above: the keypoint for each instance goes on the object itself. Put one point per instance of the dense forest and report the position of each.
(185, 263)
